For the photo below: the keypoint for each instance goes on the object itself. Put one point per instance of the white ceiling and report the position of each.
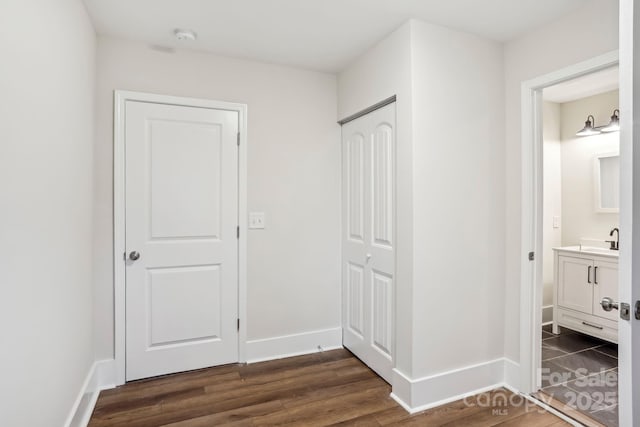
(582, 87)
(322, 35)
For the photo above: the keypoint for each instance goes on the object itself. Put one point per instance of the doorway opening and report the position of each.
(580, 166)
(570, 217)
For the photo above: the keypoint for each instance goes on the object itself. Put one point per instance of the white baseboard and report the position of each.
(512, 374)
(293, 345)
(435, 390)
(101, 376)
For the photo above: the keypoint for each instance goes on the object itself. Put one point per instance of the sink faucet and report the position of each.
(615, 244)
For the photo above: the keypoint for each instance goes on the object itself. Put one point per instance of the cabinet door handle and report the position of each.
(589, 274)
(595, 275)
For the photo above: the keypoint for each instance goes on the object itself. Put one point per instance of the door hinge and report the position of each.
(238, 324)
(238, 232)
(238, 138)
(531, 256)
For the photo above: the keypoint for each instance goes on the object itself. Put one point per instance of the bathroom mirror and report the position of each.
(607, 182)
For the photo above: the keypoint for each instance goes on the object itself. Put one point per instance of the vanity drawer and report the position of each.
(590, 325)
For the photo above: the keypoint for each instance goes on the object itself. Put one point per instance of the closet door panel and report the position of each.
(368, 238)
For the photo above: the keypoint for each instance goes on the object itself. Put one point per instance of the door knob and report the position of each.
(608, 304)
(134, 255)
(368, 256)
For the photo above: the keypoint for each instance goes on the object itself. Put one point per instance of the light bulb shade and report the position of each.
(614, 124)
(588, 128)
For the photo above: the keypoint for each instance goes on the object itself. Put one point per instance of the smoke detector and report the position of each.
(184, 34)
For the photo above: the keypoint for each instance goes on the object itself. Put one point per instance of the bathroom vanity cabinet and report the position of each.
(583, 276)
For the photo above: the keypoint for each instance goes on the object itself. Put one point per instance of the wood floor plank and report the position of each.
(430, 417)
(340, 408)
(336, 388)
(534, 418)
(151, 389)
(320, 389)
(238, 416)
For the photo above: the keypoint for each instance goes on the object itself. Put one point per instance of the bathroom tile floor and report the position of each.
(582, 372)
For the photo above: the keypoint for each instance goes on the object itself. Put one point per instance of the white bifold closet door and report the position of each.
(182, 247)
(368, 147)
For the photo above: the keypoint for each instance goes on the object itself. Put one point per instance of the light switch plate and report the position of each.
(556, 222)
(256, 220)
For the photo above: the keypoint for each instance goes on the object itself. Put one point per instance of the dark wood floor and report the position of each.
(318, 389)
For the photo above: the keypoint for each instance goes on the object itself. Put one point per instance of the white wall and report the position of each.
(590, 31)
(552, 199)
(294, 177)
(383, 71)
(458, 199)
(580, 220)
(46, 128)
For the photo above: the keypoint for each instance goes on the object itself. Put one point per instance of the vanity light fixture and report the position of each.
(614, 124)
(589, 127)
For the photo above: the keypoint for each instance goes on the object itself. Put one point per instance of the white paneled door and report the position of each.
(368, 147)
(181, 242)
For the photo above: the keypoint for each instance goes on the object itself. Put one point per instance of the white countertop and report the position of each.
(589, 250)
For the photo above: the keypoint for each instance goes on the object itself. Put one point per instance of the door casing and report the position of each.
(120, 98)
(531, 285)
